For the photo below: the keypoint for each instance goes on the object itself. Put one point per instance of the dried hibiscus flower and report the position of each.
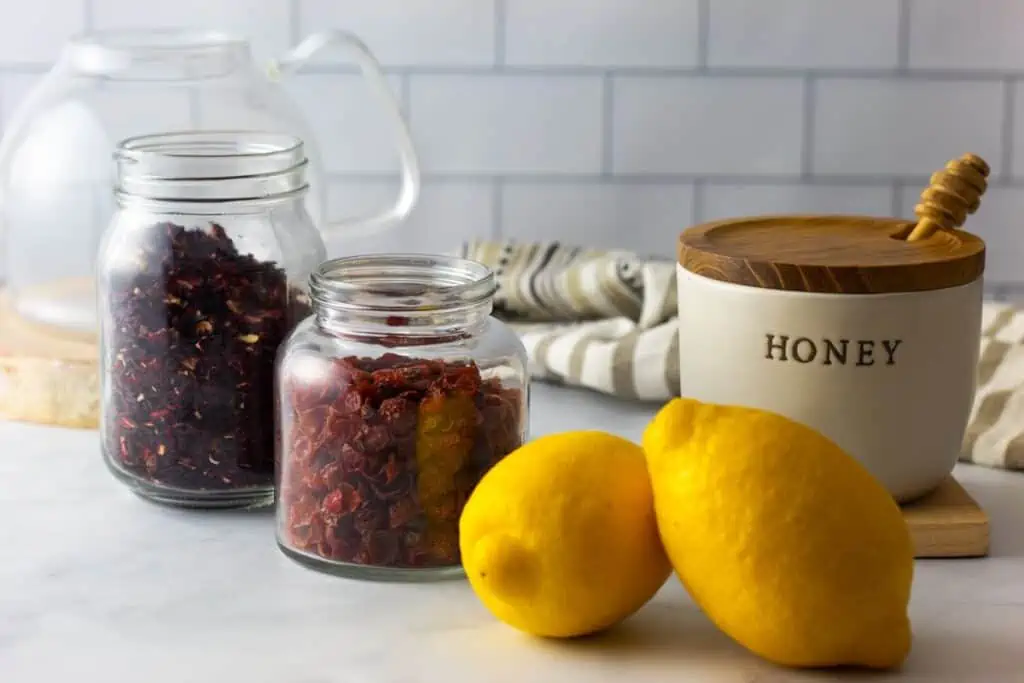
(191, 341)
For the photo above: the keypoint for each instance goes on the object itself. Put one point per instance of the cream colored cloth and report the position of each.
(605, 320)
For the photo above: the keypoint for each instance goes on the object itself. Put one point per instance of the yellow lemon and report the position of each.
(559, 538)
(786, 542)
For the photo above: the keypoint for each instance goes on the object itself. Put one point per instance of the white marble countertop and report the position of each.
(97, 585)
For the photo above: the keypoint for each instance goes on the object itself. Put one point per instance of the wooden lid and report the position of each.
(830, 254)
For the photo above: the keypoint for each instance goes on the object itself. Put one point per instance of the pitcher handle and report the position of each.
(296, 57)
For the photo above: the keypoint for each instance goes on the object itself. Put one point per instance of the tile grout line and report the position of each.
(565, 71)
(1010, 290)
(697, 210)
(897, 199)
(88, 15)
(500, 24)
(903, 35)
(497, 209)
(703, 33)
(294, 21)
(810, 95)
(607, 125)
(405, 90)
(597, 178)
(1009, 130)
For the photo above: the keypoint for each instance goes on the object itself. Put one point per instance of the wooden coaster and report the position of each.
(947, 523)
(46, 376)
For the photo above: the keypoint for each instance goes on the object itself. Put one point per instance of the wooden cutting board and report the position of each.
(948, 523)
(46, 376)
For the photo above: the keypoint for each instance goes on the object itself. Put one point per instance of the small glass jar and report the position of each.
(201, 275)
(394, 399)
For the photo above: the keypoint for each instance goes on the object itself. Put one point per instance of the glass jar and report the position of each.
(394, 399)
(55, 171)
(201, 276)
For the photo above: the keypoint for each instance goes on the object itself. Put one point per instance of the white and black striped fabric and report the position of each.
(606, 320)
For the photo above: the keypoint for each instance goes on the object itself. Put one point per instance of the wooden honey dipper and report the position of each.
(952, 194)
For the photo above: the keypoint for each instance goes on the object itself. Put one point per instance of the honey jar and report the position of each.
(846, 324)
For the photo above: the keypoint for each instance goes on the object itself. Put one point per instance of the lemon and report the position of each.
(559, 538)
(786, 542)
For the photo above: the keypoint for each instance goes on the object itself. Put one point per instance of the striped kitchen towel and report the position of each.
(605, 320)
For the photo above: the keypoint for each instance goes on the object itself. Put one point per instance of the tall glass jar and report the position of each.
(201, 275)
(394, 399)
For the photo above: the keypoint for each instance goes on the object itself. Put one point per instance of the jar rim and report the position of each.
(401, 283)
(209, 144)
(211, 165)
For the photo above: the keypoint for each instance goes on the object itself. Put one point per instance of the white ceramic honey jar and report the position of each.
(839, 323)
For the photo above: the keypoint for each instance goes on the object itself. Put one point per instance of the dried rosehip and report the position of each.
(389, 446)
(390, 490)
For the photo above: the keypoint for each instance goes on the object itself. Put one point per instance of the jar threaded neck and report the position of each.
(211, 166)
(409, 286)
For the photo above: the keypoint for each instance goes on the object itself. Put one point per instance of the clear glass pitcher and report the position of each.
(56, 168)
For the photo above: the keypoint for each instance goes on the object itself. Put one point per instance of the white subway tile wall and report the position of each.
(351, 133)
(900, 126)
(448, 213)
(955, 36)
(728, 200)
(803, 33)
(602, 211)
(617, 123)
(714, 126)
(507, 124)
(420, 33)
(32, 33)
(602, 33)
